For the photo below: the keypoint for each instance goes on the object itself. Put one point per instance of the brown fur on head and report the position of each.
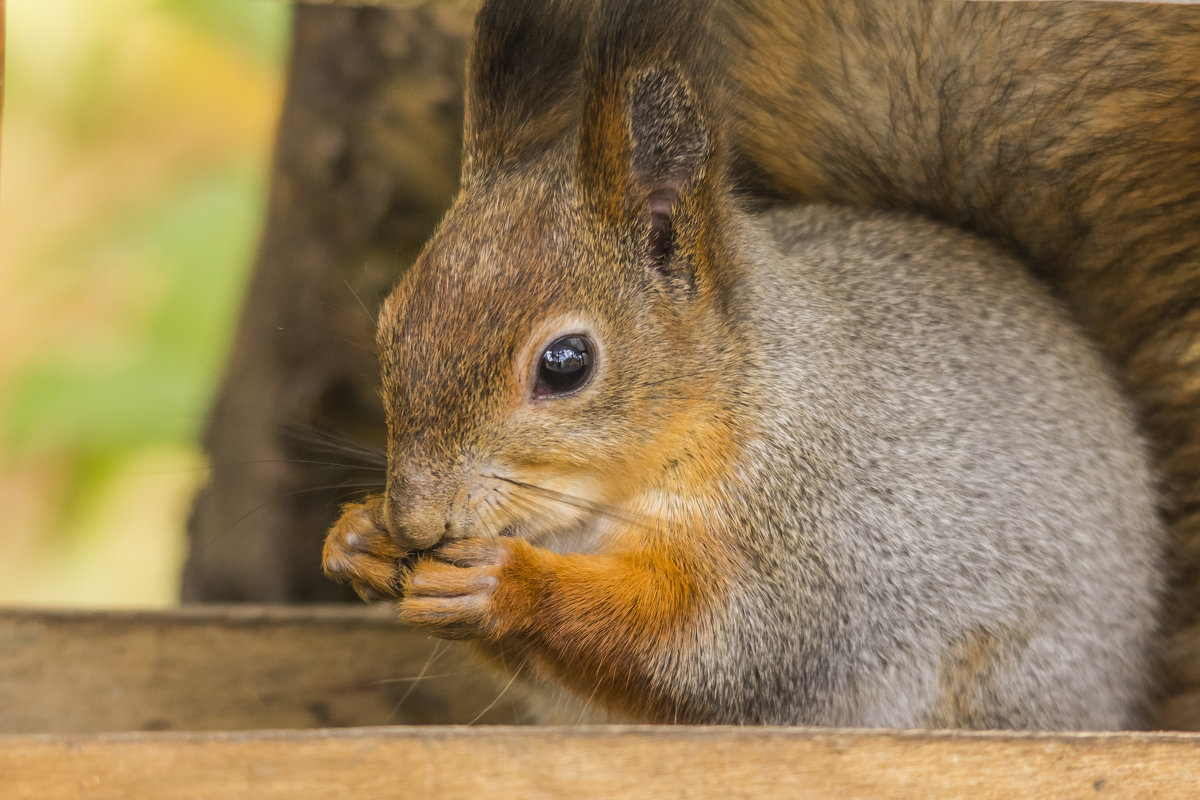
(612, 235)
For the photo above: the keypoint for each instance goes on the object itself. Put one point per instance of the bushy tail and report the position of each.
(1069, 131)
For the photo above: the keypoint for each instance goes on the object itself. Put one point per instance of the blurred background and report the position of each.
(136, 142)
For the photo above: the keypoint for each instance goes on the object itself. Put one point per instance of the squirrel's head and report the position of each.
(561, 343)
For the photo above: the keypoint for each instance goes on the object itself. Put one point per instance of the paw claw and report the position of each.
(451, 589)
(358, 549)
(445, 580)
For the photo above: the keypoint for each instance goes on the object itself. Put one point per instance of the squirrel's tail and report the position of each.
(1071, 132)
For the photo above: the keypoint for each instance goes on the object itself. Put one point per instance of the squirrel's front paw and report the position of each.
(457, 589)
(359, 549)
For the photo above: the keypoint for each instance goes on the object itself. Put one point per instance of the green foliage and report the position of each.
(134, 182)
(197, 241)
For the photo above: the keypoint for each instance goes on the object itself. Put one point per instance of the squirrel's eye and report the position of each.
(564, 366)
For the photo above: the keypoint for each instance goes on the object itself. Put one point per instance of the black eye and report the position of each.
(564, 366)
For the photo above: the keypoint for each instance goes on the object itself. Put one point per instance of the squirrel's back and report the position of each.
(959, 486)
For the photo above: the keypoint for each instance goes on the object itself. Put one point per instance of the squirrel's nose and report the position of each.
(417, 513)
(420, 528)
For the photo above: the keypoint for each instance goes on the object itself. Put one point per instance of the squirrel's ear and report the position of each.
(522, 80)
(671, 146)
(650, 138)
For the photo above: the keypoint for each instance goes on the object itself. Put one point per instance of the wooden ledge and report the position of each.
(600, 762)
(68, 674)
(233, 668)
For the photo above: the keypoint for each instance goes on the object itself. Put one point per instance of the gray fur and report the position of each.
(944, 460)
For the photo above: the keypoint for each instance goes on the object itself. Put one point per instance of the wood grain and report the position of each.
(607, 762)
(203, 668)
(231, 668)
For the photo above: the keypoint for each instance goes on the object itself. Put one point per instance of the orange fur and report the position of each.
(594, 623)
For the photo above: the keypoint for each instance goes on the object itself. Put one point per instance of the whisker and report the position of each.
(308, 462)
(522, 506)
(530, 506)
(366, 485)
(334, 443)
(587, 705)
(385, 681)
(439, 648)
(366, 490)
(577, 502)
(365, 455)
(503, 691)
(361, 494)
(366, 467)
(370, 316)
(489, 526)
(492, 504)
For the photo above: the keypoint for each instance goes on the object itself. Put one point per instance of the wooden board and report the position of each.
(608, 762)
(232, 668)
(243, 667)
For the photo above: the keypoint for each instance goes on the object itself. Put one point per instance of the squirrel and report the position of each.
(696, 461)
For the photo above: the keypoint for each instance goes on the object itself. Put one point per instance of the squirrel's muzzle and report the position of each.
(418, 510)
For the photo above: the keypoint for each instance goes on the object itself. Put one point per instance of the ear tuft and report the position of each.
(671, 146)
(651, 135)
(523, 79)
(671, 141)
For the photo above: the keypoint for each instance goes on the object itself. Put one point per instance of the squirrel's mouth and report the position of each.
(405, 565)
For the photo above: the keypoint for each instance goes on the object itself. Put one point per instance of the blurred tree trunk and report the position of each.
(366, 161)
